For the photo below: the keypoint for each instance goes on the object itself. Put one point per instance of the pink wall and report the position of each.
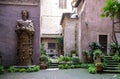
(93, 24)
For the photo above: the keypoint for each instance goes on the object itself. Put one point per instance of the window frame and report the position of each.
(51, 46)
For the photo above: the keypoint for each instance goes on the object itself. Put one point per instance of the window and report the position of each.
(51, 45)
(62, 4)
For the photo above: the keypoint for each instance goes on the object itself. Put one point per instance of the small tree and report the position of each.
(60, 45)
(42, 50)
(111, 9)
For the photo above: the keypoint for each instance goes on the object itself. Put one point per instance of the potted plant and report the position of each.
(85, 55)
(116, 57)
(99, 67)
(44, 61)
(92, 69)
(97, 54)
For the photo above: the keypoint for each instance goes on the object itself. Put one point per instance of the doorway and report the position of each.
(103, 40)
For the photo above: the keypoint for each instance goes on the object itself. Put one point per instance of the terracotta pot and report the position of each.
(99, 68)
(43, 66)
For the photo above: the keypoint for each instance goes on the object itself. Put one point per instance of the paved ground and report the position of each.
(58, 74)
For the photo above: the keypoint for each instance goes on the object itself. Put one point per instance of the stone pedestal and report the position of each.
(25, 32)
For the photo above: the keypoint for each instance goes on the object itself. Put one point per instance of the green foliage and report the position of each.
(103, 58)
(76, 66)
(61, 66)
(73, 66)
(64, 59)
(22, 70)
(1, 69)
(94, 46)
(44, 59)
(35, 68)
(86, 51)
(60, 44)
(42, 50)
(97, 52)
(115, 47)
(64, 66)
(75, 59)
(30, 69)
(104, 64)
(116, 56)
(111, 8)
(92, 69)
(69, 66)
(12, 69)
(49, 61)
(119, 66)
(98, 64)
(84, 65)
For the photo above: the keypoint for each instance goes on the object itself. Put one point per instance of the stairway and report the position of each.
(53, 65)
(112, 66)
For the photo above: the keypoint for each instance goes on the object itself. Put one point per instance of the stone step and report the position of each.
(108, 57)
(111, 68)
(52, 66)
(111, 61)
(112, 65)
(111, 71)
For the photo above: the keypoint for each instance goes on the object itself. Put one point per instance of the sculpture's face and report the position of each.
(24, 15)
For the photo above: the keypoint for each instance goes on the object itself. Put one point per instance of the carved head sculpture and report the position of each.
(25, 14)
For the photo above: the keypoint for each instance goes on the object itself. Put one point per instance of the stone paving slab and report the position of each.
(59, 74)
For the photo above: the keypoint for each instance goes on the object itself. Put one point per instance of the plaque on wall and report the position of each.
(20, 2)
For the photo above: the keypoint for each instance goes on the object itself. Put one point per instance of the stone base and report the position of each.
(31, 66)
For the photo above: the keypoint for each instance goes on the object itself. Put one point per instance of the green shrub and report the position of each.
(1, 69)
(49, 61)
(72, 66)
(94, 46)
(64, 59)
(104, 64)
(36, 68)
(119, 66)
(84, 65)
(77, 66)
(75, 59)
(97, 52)
(116, 56)
(30, 69)
(92, 69)
(66, 66)
(61, 66)
(22, 70)
(44, 59)
(42, 50)
(12, 69)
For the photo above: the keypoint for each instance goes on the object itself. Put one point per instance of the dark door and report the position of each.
(103, 42)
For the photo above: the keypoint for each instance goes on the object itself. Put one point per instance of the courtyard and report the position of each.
(59, 74)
